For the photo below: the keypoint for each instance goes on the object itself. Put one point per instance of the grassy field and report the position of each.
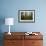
(26, 17)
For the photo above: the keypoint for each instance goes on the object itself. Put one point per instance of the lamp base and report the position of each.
(9, 33)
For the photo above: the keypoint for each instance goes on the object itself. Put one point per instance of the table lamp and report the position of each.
(9, 21)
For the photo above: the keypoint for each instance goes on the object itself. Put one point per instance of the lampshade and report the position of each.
(9, 21)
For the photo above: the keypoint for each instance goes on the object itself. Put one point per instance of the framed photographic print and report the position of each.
(26, 16)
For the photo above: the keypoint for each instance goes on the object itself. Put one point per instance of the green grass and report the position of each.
(26, 17)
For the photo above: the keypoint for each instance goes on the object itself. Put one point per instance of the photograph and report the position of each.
(26, 16)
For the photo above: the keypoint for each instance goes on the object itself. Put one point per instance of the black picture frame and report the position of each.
(26, 16)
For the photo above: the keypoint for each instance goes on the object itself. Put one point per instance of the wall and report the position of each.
(9, 8)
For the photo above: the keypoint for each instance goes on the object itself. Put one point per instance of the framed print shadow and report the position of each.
(26, 16)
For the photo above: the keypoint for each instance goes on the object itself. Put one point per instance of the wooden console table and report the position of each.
(20, 39)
